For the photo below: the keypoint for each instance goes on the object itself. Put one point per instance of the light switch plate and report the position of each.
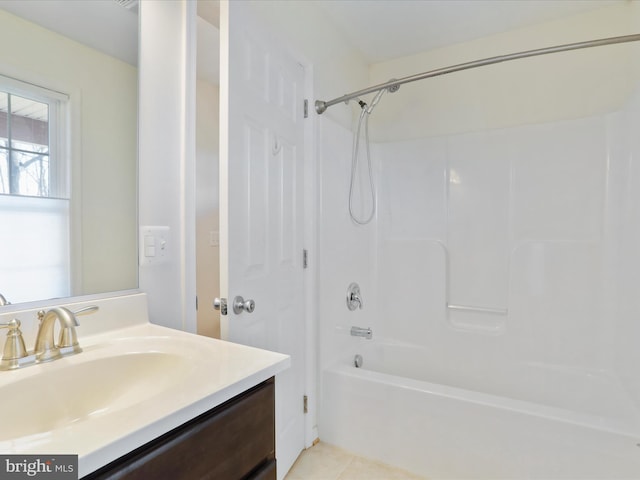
(154, 245)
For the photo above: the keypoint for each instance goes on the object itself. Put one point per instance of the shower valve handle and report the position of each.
(354, 298)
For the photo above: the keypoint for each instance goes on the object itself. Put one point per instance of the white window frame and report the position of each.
(56, 275)
(59, 145)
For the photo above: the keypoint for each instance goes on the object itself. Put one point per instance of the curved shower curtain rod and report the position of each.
(321, 105)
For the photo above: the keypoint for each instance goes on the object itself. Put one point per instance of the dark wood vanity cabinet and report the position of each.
(234, 441)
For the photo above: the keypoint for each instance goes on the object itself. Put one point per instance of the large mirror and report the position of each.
(68, 148)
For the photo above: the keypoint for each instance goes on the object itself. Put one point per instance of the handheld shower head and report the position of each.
(378, 96)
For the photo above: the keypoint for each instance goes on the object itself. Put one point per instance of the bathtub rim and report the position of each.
(597, 422)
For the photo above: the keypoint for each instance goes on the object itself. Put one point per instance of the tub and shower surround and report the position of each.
(501, 235)
(534, 230)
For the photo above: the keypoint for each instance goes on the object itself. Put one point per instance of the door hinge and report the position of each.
(305, 258)
(305, 404)
(306, 108)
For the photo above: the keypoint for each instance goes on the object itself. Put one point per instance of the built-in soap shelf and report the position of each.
(490, 320)
(460, 307)
(472, 308)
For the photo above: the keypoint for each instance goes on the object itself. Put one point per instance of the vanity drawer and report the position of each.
(267, 472)
(233, 441)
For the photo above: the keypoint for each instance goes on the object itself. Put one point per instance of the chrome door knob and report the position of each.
(249, 306)
(220, 304)
(240, 305)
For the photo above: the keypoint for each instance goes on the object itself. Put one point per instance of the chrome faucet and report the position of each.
(362, 332)
(3, 301)
(15, 354)
(45, 348)
(354, 297)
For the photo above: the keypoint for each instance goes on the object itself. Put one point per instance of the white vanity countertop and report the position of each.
(119, 407)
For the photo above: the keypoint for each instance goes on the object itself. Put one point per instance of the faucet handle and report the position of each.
(86, 310)
(82, 311)
(354, 298)
(14, 348)
(13, 324)
(68, 338)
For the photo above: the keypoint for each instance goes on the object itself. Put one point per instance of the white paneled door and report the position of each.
(261, 214)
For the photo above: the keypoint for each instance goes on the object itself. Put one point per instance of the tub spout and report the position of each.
(362, 332)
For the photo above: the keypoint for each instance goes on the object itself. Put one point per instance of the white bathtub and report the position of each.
(475, 420)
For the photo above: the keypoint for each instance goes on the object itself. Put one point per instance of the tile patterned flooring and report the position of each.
(326, 462)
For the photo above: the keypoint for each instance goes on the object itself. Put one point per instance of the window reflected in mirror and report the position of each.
(68, 149)
(34, 199)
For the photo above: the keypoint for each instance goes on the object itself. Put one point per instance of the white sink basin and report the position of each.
(127, 387)
(133, 382)
(66, 393)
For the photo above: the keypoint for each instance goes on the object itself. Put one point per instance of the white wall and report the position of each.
(103, 96)
(167, 156)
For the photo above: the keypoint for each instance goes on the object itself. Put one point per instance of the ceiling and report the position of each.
(105, 25)
(386, 29)
(380, 29)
